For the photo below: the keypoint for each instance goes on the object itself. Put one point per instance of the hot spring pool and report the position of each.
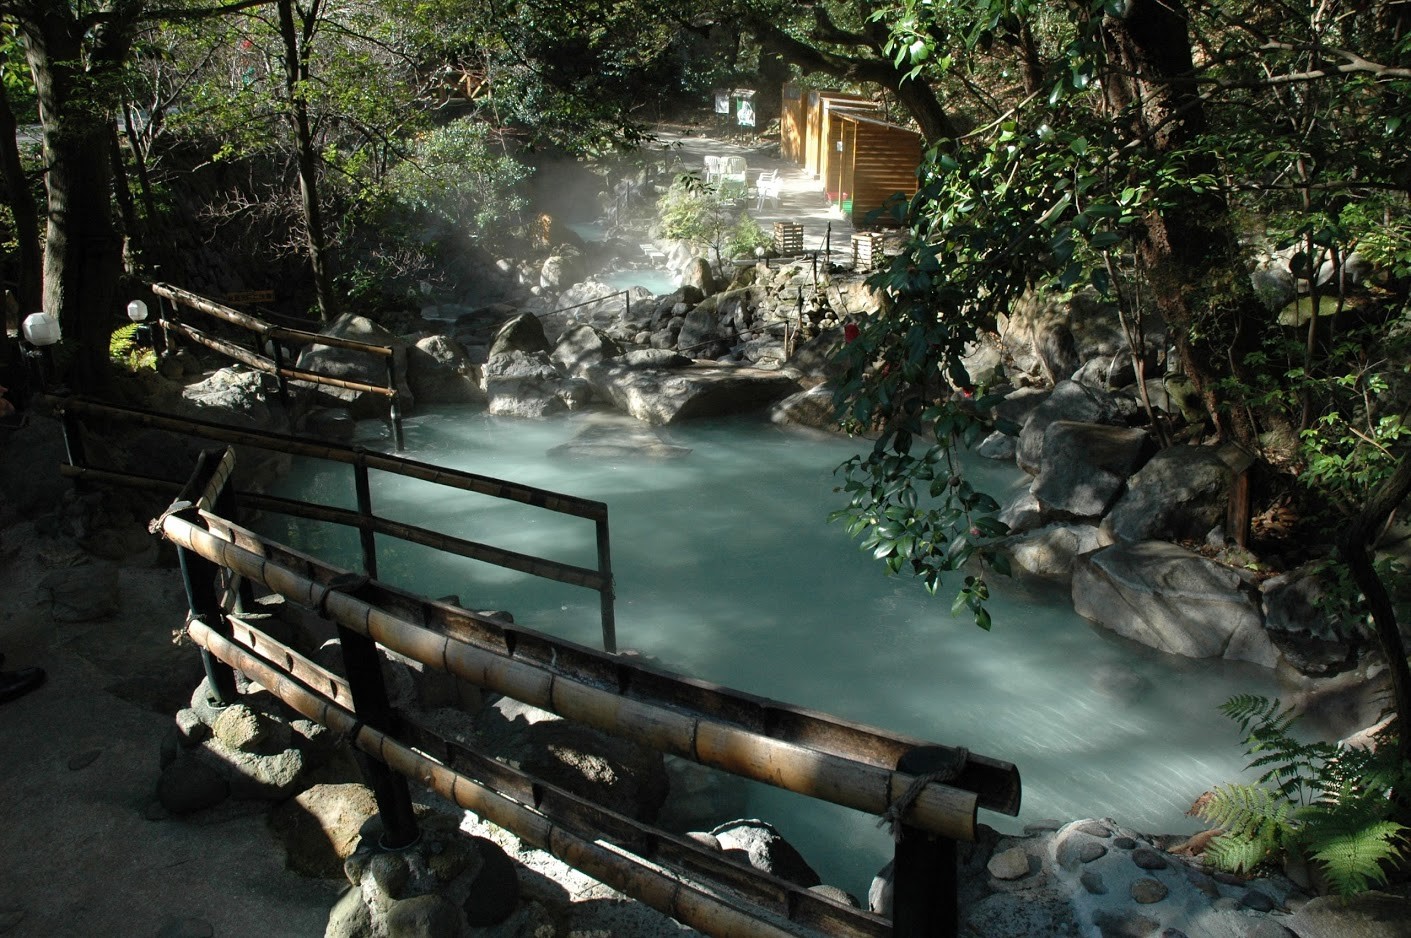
(657, 282)
(727, 570)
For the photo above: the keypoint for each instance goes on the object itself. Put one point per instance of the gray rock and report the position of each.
(520, 384)
(1009, 864)
(1148, 859)
(1299, 621)
(439, 372)
(812, 408)
(582, 346)
(1069, 401)
(1023, 513)
(349, 917)
(494, 891)
(610, 771)
(1257, 900)
(1171, 599)
(1074, 848)
(1091, 881)
(358, 366)
(319, 827)
(240, 727)
(1116, 923)
(997, 446)
(760, 844)
(1147, 891)
(390, 872)
(840, 896)
(702, 390)
(1084, 466)
(430, 916)
(1269, 929)
(521, 333)
(1049, 552)
(1181, 492)
(1370, 915)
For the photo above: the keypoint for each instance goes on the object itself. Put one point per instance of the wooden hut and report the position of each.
(815, 105)
(792, 120)
(868, 160)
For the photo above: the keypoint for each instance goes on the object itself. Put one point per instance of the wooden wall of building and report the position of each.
(816, 104)
(879, 160)
(792, 122)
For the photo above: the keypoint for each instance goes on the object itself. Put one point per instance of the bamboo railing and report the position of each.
(276, 338)
(72, 410)
(799, 750)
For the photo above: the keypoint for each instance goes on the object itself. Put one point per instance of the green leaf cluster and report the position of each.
(1336, 806)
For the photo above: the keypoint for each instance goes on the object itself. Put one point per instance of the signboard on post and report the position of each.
(722, 102)
(744, 107)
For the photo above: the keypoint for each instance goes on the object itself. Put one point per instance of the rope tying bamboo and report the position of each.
(891, 818)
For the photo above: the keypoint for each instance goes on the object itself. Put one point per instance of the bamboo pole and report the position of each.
(939, 809)
(212, 308)
(453, 478)
(996, 783)
(683, 901)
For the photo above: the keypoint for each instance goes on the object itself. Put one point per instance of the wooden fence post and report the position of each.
(925, 903)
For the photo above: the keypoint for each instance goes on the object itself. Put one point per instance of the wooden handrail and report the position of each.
(705, 736)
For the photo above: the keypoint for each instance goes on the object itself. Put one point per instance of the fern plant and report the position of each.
(1335, 806)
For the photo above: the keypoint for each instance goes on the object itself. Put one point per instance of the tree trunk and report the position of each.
(1355, 547)
(82, 250)
(1189, 251)
(30, 281)
(296, 72)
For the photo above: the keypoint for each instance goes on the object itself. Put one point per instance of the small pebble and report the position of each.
(1149, 859)
(1092, 882)
(1146, 891)
(1010, 864)
(1124, 843)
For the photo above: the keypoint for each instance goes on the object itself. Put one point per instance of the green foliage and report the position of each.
(463, 176)
(123, 349)
(1334, 806)
(745, 236)
(694, 211)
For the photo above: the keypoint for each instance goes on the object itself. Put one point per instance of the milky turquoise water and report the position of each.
(727, 570)
(658, 282)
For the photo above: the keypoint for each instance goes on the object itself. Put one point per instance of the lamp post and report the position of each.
(41, 331)
(760, 256)
(142, 335)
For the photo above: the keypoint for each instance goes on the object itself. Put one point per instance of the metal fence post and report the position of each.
(394, 404)
(925, 903)
(199, 577)
(363, 666)
(366, 537)
(607, 593)
(277, 353)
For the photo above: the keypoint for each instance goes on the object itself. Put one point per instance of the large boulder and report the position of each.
(1173, 600)
(1304, 624)
(1181, 492)
(1370, 915)
(524, 385)
(352, 365)
(1084, 466)
(582, 346)
(703, 389)
(440, 373)
(813, 408)
(1049, 552)
(1069, 401)
(521, 333)
(697, 275)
